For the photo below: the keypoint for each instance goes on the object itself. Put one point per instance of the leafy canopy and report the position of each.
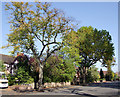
(89, 45)
(36, 27)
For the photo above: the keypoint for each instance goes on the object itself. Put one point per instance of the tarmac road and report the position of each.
(93, 89)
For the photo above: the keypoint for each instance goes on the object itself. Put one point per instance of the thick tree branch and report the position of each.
(52, 53)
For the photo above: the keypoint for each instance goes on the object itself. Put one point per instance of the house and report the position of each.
(8, 62)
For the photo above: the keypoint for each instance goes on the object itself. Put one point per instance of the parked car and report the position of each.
(3, 80)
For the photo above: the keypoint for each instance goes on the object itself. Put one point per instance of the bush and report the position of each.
(115, 77)
(47, 79)
(92, 74)
(23, 76)
(11, 79)
(58, 70)
(110, 76)
(2, 66)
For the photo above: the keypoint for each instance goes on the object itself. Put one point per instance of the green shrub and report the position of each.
(58, 70)
(2, 67)
(109, 76)
(46, 79)
(92, 74)
(23, 76)
(11, 79)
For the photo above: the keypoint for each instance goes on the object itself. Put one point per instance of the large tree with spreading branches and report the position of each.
(87, 46)
(35, 28)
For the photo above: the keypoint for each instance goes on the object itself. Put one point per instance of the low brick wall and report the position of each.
(53, 84)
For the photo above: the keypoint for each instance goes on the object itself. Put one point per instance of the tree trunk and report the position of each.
(36, 80)
(84, 79)
(40, 77)
(84, 75)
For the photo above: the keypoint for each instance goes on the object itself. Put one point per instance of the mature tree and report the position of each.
(90, 46)
(35, 29)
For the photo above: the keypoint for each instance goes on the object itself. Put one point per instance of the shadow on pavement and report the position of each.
(115, 85)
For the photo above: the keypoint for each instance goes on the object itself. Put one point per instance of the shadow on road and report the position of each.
(115, 85)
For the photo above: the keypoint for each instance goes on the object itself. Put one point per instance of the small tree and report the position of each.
(108, 64)
(101, 75)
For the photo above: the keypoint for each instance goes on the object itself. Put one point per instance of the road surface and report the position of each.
(93, 89)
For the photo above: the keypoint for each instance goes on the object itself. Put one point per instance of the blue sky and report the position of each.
(98, 15)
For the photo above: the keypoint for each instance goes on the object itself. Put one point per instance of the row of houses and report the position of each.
(11, 61)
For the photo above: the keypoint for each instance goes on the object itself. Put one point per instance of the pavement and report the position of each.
(93, 89)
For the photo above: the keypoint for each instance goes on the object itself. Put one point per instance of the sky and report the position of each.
(100, 15)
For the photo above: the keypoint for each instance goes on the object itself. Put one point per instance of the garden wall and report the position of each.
(53, 84)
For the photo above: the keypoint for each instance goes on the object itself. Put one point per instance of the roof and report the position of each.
(6, 58)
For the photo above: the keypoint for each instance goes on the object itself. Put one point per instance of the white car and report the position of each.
(3, 80)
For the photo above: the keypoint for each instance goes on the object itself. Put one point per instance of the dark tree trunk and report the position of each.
(84, 75)
(36, 80)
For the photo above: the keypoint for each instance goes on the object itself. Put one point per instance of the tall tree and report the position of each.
(35, 29)
(90, 45)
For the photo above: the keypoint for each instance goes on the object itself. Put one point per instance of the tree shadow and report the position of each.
(115, 85)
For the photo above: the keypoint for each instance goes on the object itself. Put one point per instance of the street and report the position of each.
(93, 89)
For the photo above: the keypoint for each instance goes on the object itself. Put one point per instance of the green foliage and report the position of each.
(33, 23)
(58, 70)
(23, 76)
(2, 67)
(22, 73)
(92, 74)
(11, 79)
(29, 24)
(87, 46)
(90, 45)
(115, 76)
(109, 63)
